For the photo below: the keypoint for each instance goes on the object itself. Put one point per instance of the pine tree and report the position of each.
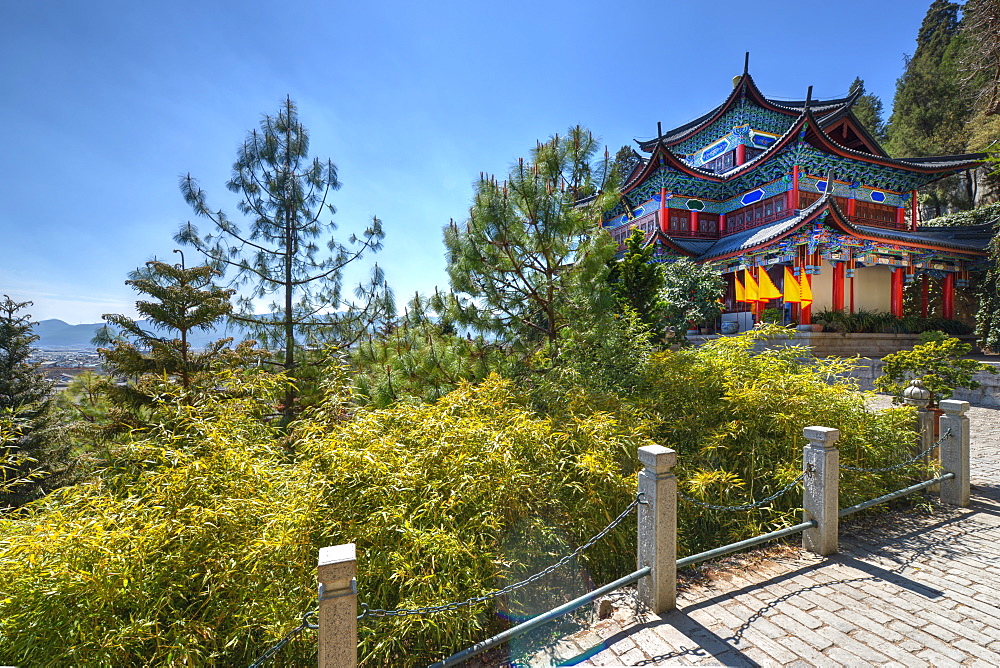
(931, 108)
(183, 300)
(636, 282)
(868, 110)
(284, 194)
(528, 254)
(27, 443)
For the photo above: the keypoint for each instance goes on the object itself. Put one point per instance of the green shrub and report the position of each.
(865, 321)
(937, 362)
(735, 417)
(197, 543)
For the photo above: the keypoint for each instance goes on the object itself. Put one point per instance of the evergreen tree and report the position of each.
(530, 253)
(636, 282)
(930, 108)
(868, 110)
(422, 357)
(26, 445)
(284, 194)
(692, 293)
(183, 300)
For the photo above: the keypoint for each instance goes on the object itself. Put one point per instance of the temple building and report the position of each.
(796, 198)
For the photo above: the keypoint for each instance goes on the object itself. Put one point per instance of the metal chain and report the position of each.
(306, 624)
(375, 612)
(745, 506)
(909, 461)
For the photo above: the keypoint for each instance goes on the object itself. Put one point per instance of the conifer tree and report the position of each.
(529, 252)
(636, 282)
(930, 107)
(24, 404)
(868, 110)
(279, 255)
(182, 300)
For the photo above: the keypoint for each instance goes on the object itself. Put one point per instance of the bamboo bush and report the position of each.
(196, 542)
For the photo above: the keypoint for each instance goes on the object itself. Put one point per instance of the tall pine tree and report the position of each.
(930, 108)
(529, 255)
(868, 110)
(24, 403)
(288, 252)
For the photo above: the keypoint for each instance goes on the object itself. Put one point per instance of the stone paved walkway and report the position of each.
(907, 589)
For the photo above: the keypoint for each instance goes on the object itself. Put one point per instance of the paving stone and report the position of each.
(977, 650)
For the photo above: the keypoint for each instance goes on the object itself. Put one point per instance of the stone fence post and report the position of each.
(821, 489)
(338, 607)
(657, 537)
(955, 452)
(918, 396)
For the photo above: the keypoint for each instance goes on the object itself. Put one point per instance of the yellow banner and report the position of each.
(792, 293)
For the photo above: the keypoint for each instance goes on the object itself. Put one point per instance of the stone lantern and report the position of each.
(916, 394)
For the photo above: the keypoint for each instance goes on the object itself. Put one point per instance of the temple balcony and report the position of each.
(862, 213)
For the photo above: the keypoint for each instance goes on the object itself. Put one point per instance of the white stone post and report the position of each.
(821, 489)
(918, 396)
(955, 452)
(338, 607)
(657, 537)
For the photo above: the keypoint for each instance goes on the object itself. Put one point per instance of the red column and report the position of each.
(805, 314)
(838, 286)
(852, 208)
(948, 298)
(913, 211)
(896, 297)
(795, 189)
(901, 218)
(722, 224)
(924, 296)
(693, 221)
(664, 223)
(741, 154)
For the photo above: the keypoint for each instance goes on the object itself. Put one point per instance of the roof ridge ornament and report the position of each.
(746, 63)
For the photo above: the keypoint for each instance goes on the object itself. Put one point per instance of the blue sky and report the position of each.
(107, 103)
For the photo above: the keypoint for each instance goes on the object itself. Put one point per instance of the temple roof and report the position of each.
(746, 87)
(971, 239)
(816, 136)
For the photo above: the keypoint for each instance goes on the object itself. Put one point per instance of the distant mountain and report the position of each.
(58, 334)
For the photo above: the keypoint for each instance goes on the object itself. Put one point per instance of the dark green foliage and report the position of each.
(930, 108)
(182, 300)
(988, 318)
(626, 160)
(284, 194)
(28, 448)
(421, 358)
(937, 361)
(530, 253)
(982, 215)
(636, 282)
(868, 110)
(692, 294)
(881, 322)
